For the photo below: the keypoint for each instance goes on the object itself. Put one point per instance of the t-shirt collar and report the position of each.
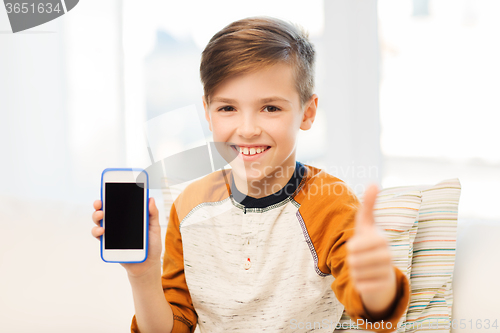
(282, 194)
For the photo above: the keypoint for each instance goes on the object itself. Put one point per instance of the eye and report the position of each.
(226, 108)
(271, 108)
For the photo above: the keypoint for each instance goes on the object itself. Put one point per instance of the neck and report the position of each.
(272, 182)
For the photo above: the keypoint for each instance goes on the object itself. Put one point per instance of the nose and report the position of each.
(249, 126)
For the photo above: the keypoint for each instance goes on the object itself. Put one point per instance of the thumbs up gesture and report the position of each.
(370, 261)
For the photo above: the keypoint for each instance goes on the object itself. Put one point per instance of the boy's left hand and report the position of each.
(370, 260)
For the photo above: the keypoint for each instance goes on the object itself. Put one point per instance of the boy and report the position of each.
(270, 244)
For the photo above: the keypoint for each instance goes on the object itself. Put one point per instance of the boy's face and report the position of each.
(259, 110)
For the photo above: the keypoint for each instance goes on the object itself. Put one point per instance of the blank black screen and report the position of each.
(124, 216)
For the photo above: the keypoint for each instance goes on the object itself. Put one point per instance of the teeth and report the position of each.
(250, 151)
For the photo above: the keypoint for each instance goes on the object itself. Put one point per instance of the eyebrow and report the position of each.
(263, 100)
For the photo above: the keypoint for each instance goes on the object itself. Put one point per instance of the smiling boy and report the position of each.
(271, 244)
(260, 114)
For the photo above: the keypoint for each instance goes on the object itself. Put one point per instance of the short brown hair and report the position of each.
(253, 43)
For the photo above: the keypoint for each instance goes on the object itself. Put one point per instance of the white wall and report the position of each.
(34, 151)
(351, 92)
(61, 114)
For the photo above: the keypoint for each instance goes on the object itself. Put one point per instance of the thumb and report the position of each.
(153, 213)
(364, 216)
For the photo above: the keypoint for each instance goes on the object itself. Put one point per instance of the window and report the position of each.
(439, 102)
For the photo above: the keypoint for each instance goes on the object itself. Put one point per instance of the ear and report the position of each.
(207, 113)
(309, 113)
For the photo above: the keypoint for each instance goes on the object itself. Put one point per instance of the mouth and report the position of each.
(250, 152)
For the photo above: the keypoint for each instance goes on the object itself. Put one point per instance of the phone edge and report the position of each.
(147, 213)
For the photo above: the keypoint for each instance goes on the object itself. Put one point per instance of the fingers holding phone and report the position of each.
(97, 215)
(127, 221)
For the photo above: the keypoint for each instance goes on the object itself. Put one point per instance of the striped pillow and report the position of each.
(433, 257)
(397, 215)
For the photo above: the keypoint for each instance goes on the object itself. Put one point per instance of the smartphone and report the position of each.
(125, 203)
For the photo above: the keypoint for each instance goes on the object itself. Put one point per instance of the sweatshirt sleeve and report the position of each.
(343, 219)
(174, 281)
